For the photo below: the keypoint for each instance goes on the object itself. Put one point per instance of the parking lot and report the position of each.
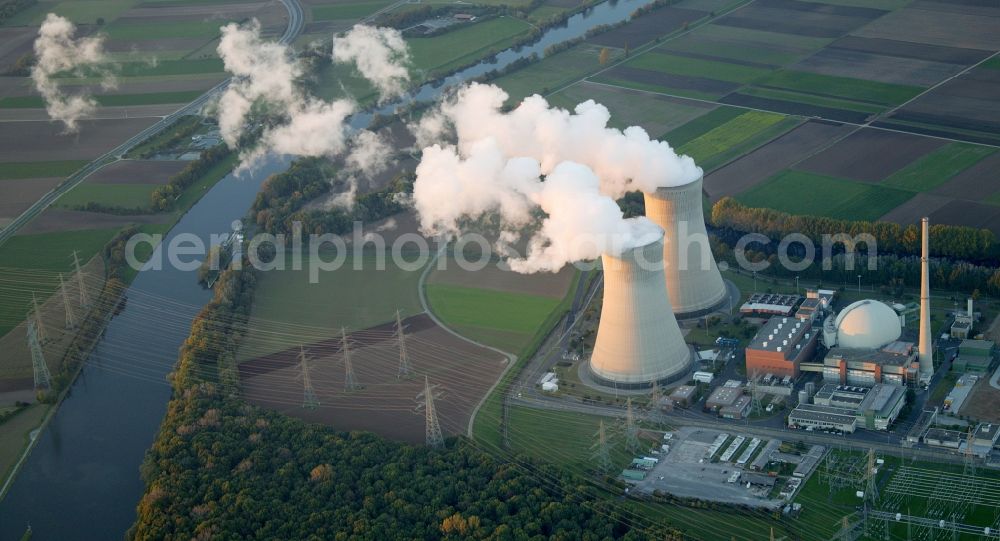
(686, 472)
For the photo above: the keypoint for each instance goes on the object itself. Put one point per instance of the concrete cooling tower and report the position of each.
(693, 280)
(638, 340)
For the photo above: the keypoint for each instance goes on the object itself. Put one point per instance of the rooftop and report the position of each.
(782, 334)
(828, 414)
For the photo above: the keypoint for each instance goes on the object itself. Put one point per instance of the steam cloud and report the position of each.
(577, 221)
(266, 74)
(57, 50)
(380, 55)
(624, 160)
(543, 172)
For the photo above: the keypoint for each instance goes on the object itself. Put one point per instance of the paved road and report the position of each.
(292, 30)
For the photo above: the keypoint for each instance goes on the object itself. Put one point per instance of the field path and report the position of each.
(511, 358)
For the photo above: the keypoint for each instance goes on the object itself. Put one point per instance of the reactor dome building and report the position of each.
(692, 277)
(867, 324)
(639, 343)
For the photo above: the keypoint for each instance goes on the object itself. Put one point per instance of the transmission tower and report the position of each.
(84, 300)
(42, 376)
(404, 360)
(602, 453)
(653, 405)
(309, 400)
(70, 316)
(970, 457)
(36, 315)
(631, 428)
(425, 405)
(350, 383)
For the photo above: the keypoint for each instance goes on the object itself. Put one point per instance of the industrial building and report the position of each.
(946, 439)
(780, 346)
(873, 408)
(956, 397)
(823, 418)
(724, 396)
(770, 304)
(692, 278)
(639, 343)
(865, 324)
(961, 326)
(684, 395)
(816, 304)
(974, 357)
(740, 409)
(894, 363)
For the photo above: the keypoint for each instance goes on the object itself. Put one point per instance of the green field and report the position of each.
(701, 125)
(736, 137)
(840, 87)
(108, 100)
(41, 256)
(463, 45)
(505, 320)
(630, 108)
(78, 11)
(553, 72)
(938, 167)
(149, 30)
(351, 10)
(12, 170)
(356, 299)
(171, 67)
(126, 196)
(694, 67)
(799, 192)
(811, 99)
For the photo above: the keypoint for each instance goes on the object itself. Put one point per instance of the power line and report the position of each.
(41, 370)
(404, 361)
(425, 404)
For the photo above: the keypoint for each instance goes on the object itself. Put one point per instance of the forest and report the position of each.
(221, 468)
(294, 196)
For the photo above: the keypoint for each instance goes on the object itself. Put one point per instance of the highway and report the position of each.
(292, 30)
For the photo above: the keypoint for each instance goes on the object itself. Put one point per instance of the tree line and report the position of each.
(164, 197)
(283, 200)
(978, 245)
(221, 468)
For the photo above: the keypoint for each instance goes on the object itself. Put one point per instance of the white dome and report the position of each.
(867, 324)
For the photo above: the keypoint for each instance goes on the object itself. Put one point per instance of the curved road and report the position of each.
(295, 20)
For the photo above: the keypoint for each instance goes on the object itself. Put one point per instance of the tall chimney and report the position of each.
(970, 308)
(926, 355)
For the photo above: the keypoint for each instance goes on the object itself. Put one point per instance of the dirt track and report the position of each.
(385, 403)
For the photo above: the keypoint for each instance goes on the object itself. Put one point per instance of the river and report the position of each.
(81, 480)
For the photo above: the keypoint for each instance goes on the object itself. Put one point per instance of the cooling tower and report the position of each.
(693, 280)
(638, 340)
(926, 351)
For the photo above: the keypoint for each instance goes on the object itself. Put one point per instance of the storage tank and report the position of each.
(693, 280)
(638, 340)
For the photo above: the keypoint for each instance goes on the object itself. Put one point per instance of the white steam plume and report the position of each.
(380, 54)
(57, 50)
(573, 220)
(268, 73)
(624, 160)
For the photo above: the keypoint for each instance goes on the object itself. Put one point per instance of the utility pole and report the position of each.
(350, 383)
(754, 394)
(309, 400)
(425, 404)
(404, 361)
(36, 315)
(84, 299)
(602, 455)
(70, 317)
(631, 428)
(653, 406)
(43, 380)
